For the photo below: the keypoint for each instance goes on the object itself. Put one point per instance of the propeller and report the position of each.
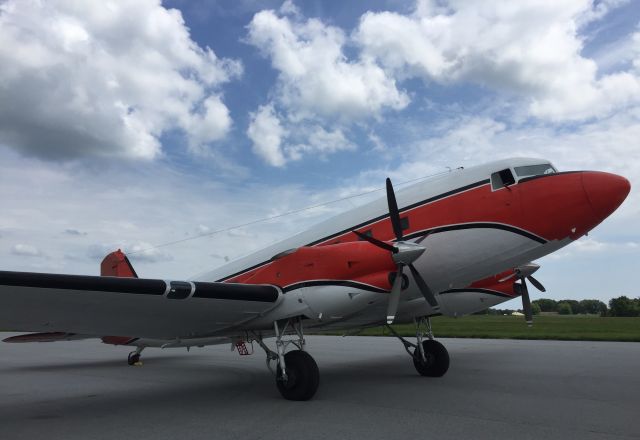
(404, 253)
(524, 273)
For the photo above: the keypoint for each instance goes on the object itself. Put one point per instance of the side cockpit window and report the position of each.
(534, 170)
(502, 178)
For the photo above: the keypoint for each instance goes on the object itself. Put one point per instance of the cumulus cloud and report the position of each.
(319, 141)
(266, 132)
(315, 75)
(319, 87)
(26, 250)
(105, 79)
(530, 48)
(268, 136)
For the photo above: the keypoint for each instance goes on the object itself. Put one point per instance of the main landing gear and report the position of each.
(430, 358)
(297, 374)
(134, 357)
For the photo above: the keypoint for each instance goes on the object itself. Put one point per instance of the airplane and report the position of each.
(450, 245)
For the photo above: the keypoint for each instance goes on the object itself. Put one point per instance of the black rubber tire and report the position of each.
(437, 359)
(133, 358)
(303, 376)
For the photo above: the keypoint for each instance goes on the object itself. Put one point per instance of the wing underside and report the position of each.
(91, 305)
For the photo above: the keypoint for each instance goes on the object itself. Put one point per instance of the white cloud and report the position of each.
(269, 136)
(319, 88)
(26, 250)
(528, 48)
(315, 75)
(318, 141)
(105, 79)
(266, 133)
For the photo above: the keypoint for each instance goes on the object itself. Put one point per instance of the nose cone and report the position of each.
(605, 191)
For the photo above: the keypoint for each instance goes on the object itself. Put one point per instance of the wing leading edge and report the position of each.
(94, 305)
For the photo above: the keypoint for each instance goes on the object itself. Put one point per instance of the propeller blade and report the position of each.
(394, 298)
(376, 242)
(538, 285)
(394, 213)
(424, 288)
(526, 304)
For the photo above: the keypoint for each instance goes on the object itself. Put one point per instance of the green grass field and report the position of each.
(571, 328)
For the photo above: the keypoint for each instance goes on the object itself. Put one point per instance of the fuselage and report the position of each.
(480, 221)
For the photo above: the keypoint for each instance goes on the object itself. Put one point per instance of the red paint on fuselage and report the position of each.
(357, 261)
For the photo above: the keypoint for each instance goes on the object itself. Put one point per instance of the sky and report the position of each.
(135, 123)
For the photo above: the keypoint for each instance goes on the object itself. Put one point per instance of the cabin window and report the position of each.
(535, 170)
(404, 223)
(502, 178)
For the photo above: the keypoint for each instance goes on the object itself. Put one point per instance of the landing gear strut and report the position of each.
(430, 358)
(297, 374)
(134, 357)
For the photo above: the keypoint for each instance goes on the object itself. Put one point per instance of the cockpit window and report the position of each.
(501, 179)
(534, 170)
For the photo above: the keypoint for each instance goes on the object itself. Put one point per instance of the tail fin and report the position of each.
(116, 264)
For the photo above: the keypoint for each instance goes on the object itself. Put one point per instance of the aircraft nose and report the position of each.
(605, 191)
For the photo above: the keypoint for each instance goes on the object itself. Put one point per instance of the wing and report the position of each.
(92, 305)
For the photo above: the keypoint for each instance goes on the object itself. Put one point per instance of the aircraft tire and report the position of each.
(303, 376)
(437, 359)
(133, 358)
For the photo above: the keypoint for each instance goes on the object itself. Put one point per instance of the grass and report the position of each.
(569, 328)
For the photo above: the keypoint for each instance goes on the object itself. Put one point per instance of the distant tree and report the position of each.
(564, 308)
(624, 306)
(576, 309)
(593, 306)
(547, 305)
(535, 308)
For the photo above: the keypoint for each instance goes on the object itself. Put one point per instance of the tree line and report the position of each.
(620, 306)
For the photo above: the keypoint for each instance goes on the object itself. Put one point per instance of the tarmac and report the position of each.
(368, 390)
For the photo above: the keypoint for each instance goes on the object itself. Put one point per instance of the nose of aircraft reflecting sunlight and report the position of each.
(605, 191)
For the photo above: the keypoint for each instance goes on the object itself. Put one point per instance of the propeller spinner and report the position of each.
(404, 253)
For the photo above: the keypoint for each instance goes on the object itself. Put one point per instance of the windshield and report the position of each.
(534, 170)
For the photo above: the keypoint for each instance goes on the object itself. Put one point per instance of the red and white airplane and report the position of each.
(451, 245)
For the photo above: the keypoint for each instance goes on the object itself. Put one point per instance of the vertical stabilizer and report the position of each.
(116, 264)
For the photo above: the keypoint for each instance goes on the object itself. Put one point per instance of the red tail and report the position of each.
(116, 264)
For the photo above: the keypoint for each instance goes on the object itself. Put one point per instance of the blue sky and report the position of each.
(138, 123)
